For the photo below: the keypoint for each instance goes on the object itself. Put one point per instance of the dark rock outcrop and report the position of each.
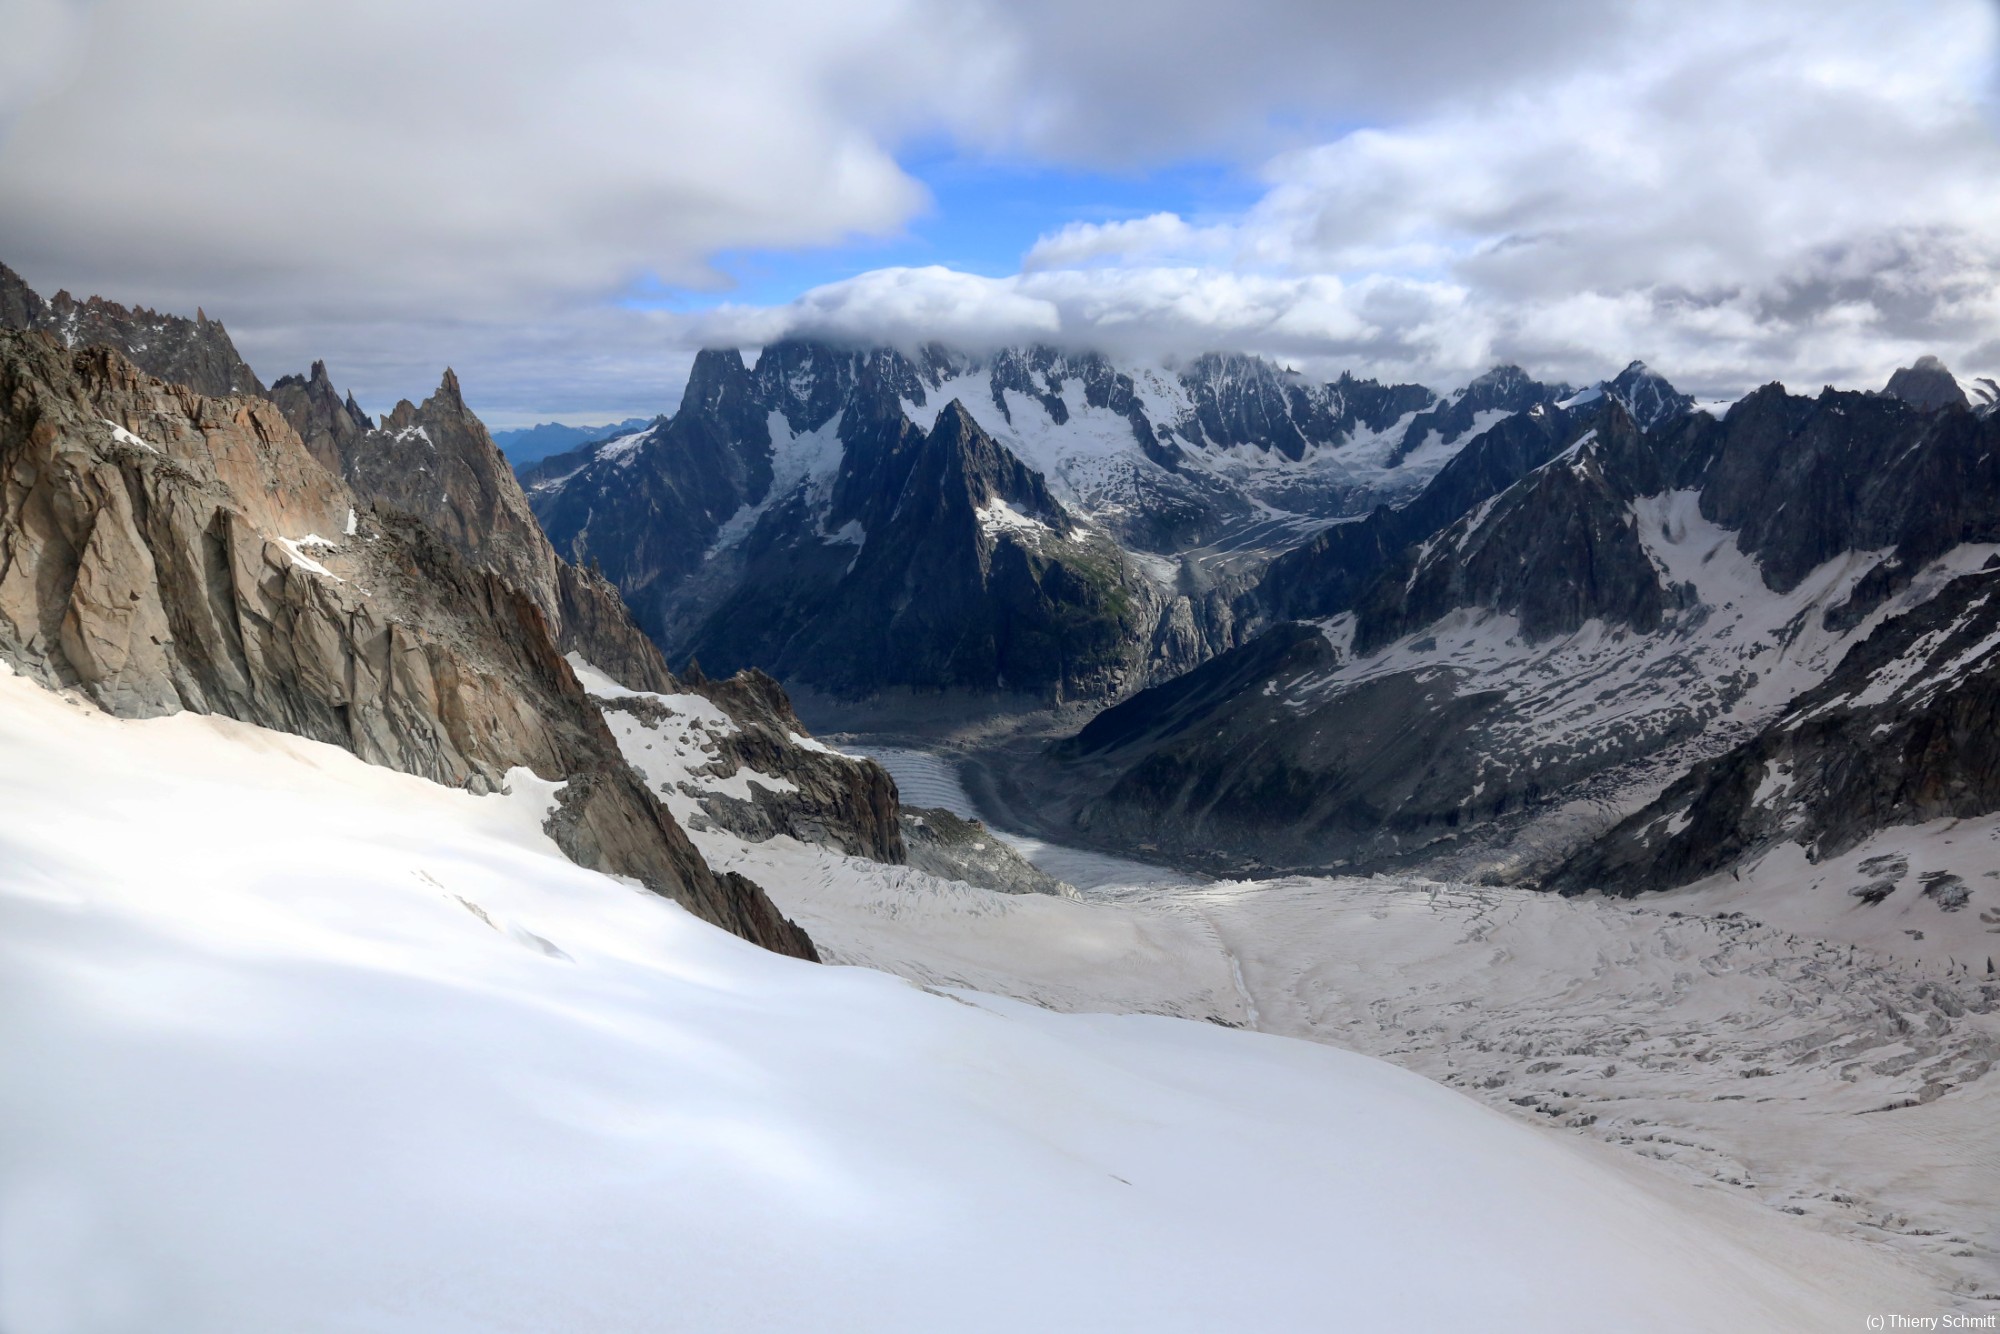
(164, 550)
(942, 561)
(1927, 385)
(21, 307)
(1557, 549)
(951, 848)
(838, 800)
(1802, 480)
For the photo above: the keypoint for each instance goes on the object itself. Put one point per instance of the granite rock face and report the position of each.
(436, 462)
(328, 424)
(164, 550)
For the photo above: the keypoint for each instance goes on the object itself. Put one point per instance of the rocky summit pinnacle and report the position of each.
(1647, 395)
(1927, 384)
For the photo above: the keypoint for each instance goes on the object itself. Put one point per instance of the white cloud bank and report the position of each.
(1734, 199)
(1734, 193)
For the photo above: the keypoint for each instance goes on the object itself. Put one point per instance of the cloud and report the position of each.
(41, 53)
(1732, 192)
(1783, 192)
(1080, 243)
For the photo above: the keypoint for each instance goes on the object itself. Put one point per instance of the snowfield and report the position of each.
(292, 1043)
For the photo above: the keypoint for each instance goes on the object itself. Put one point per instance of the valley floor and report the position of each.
(1825, 1065)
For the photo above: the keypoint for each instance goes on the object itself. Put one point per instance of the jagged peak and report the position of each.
(959, 413)
(716, 372)
(1927, 384)
(1649, 396)
(1505, 374)
(354, 410)
(956, 424)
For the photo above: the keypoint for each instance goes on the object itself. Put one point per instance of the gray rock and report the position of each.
(950, 848)
(1928, 385)
(1854, 760)
(163, 550)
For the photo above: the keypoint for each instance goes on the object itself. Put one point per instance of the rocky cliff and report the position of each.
(436, 462)
(162, 550)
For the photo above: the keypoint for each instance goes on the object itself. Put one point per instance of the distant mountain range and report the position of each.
(1340, 625)
(1775, 620)
(1052, 525)
(1605, 637)
(530, 444)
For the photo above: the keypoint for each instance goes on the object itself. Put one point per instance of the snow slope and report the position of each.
(289, 1042)
(1635, 1026)
(1831, 1091)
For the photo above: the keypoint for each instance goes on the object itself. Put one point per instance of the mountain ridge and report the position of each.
(1608, 606)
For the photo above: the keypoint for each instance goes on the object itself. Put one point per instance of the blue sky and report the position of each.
(985, 213)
